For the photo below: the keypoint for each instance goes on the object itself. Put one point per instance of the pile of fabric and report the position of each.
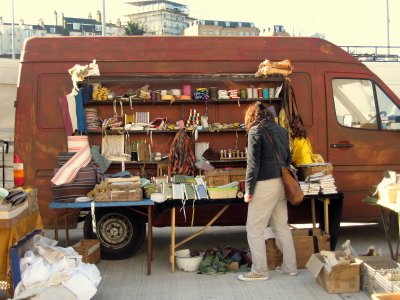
(52, 272)
(222, 260)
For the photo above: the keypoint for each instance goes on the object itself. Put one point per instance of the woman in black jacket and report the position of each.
(265, 192)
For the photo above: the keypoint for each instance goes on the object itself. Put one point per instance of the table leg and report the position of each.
(66, 229)
(172, 250)
(149, 239)
(55, 224)
(313, 218)
(326, 212)
(385, 228)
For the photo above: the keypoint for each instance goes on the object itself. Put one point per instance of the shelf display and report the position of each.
(209, 107)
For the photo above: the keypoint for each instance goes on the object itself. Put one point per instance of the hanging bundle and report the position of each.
(293, 117)
(181, 156)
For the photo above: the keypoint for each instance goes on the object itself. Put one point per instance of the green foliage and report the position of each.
(134, 29)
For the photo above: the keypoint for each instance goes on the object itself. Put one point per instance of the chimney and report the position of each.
(98, 16)
(41, 23)
(21, 22)
(90, 16)
(1, 20)
(118, 22)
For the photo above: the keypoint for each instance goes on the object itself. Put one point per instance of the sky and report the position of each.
(343, 22)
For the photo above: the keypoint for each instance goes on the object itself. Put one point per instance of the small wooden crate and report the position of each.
(126, 192)
(237, 174)
(89, 249)
(217, 177)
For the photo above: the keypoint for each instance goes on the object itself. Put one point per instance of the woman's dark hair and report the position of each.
(256, 114)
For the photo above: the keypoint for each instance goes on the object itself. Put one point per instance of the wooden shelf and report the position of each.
(99, 131)
(180, 102)
(179, 77)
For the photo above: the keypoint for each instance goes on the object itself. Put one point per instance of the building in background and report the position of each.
(22, 32)
(161, 17)
(276, 30)
(226, 28)
(90, 26)
(68, 26)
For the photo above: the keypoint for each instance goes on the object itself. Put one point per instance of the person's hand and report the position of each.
(248, 198)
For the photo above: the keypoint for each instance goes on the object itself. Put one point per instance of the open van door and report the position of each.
(363, 124)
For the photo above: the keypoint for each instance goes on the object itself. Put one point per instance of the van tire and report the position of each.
(121, 232)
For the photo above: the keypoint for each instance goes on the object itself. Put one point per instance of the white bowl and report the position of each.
(187, 263)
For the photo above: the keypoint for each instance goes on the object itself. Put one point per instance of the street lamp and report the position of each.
(103, 19)
(388, 27)
(12, 32)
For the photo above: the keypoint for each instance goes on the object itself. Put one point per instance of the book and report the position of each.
(14, 211)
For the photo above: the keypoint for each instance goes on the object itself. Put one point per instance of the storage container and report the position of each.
(89, 249)
(222, 193)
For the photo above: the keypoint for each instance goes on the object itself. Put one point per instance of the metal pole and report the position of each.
(388, 27)
(12, 32)
(103, 19)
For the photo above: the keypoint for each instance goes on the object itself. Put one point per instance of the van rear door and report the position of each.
(363, 135)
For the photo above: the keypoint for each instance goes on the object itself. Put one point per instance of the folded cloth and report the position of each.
(122, 174)
(68, 172)
(99, 159)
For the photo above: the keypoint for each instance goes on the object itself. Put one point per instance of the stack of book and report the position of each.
(310, 188)
(318, 183)
(328, 185)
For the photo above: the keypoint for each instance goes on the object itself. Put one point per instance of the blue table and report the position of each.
(80, 205)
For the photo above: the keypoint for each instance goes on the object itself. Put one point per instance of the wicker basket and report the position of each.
(373, 279)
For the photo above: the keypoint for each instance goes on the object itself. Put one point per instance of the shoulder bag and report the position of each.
(293, 192)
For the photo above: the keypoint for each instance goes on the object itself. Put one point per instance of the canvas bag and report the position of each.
(293, 192)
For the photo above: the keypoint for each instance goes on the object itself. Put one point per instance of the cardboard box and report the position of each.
(305, 171)
(342, 278)
(89, 249)
(305, 245)
(385, 296)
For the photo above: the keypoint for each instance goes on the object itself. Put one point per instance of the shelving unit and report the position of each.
(217, 110)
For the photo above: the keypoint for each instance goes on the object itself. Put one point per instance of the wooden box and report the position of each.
(112, 193)
(89, 249)
(305, 171)
(217, 178)
(237, 174)
(304, 245)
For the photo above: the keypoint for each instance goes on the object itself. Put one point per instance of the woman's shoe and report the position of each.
(252, 277)
(279, 270)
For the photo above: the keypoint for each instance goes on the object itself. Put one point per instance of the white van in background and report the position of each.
(388, 71)
(8, 92)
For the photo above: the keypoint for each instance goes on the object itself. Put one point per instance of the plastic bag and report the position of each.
(302, 151)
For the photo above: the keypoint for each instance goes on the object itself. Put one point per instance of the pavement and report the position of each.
(128, 279)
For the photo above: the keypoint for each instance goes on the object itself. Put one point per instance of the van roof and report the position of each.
(181, 48)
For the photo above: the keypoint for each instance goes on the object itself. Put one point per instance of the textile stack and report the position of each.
(93, 120)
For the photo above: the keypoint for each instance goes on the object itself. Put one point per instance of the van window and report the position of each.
(354, 103)
(356, 106)
(388, 111)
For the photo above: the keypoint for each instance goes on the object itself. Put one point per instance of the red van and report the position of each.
(352, 118)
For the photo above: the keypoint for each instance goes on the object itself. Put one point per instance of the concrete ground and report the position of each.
(127, 279)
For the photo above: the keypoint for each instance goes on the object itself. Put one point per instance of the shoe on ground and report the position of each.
(279, 270)
(252, 277)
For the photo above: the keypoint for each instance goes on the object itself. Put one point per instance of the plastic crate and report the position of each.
(380, 274)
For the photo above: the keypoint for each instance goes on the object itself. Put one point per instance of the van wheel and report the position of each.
(120, 231)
